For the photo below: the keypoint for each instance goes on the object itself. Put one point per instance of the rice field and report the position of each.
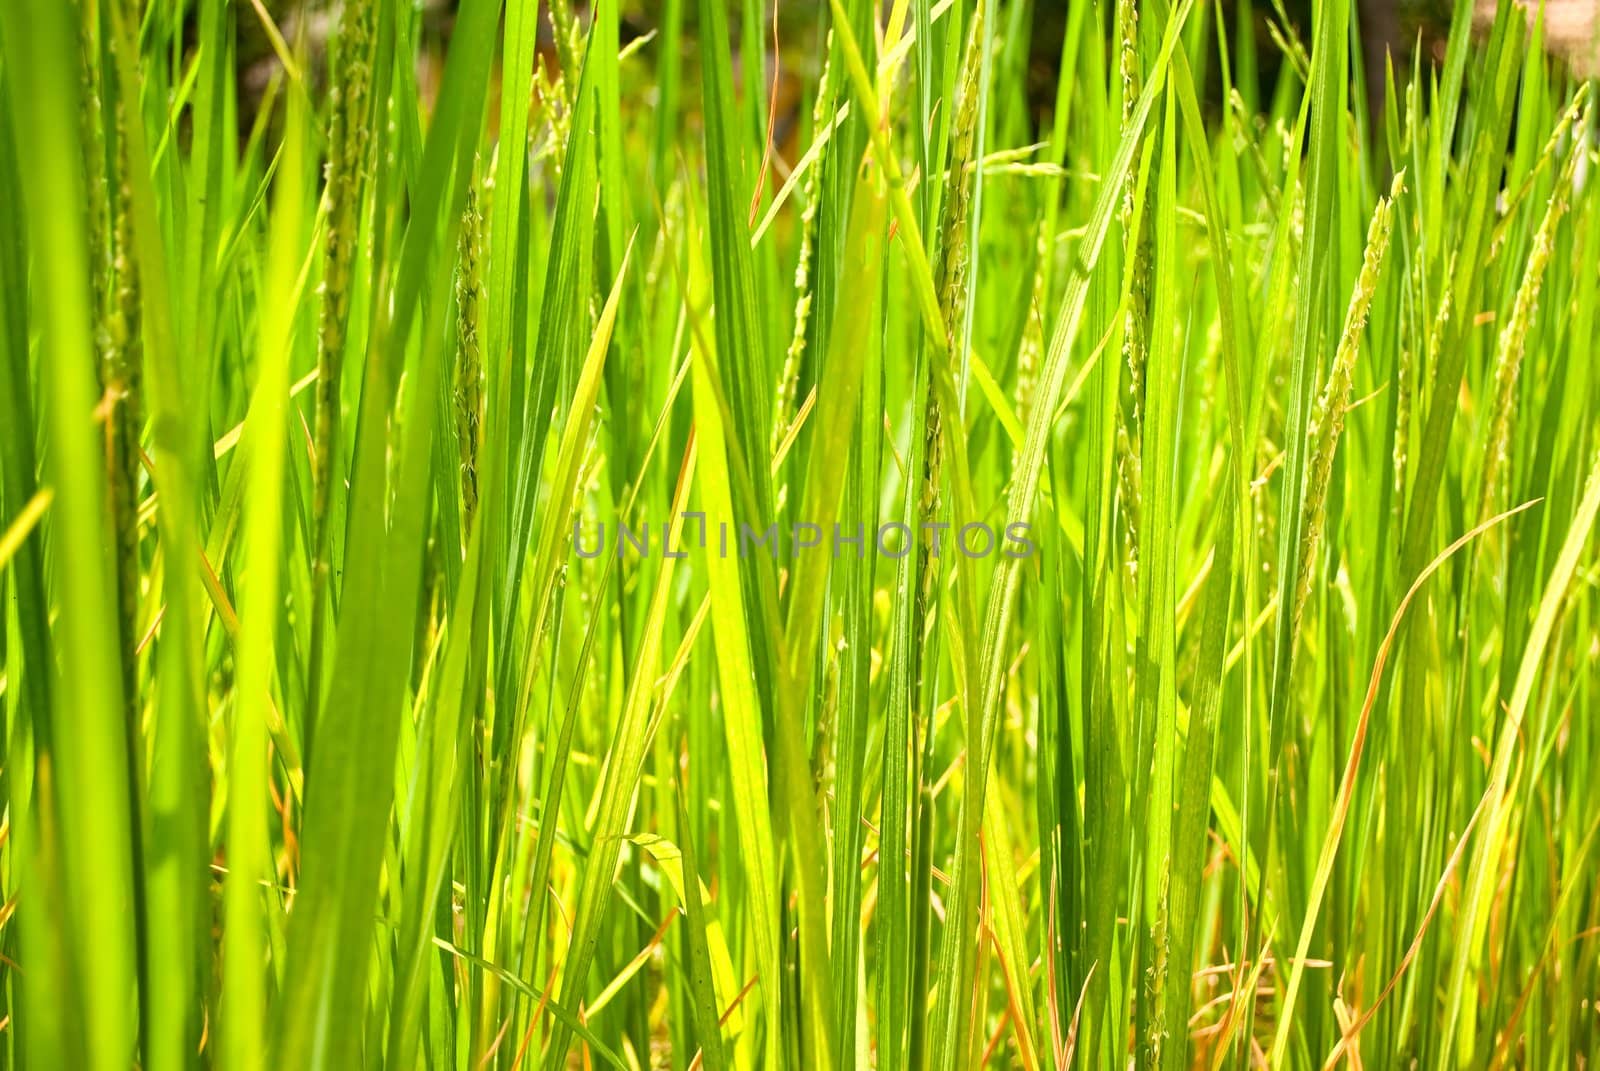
(709, 536)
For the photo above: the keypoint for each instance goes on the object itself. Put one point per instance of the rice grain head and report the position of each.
(349, 141)
(953, 259)
(1333, 404)
(788, 380)
(469, 356)
(122, 380)
(1513, 341)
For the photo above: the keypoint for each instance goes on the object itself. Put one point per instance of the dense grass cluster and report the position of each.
(323, 748)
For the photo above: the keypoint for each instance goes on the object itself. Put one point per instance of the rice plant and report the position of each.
(694, 535)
